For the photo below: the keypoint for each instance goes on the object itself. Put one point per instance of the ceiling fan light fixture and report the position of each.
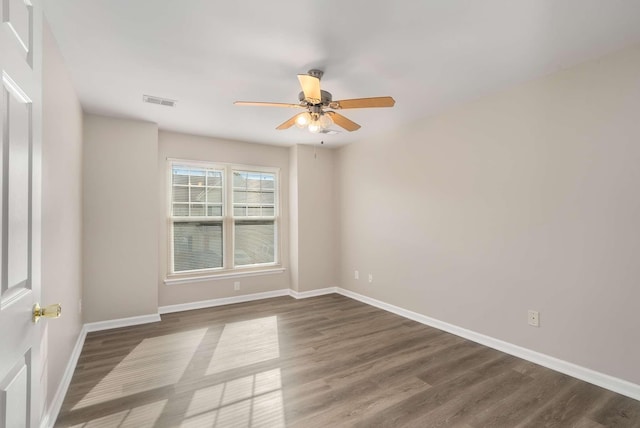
(315, 127)
(325, 121)
(303, 120)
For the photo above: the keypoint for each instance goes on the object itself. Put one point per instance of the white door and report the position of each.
(20, 122)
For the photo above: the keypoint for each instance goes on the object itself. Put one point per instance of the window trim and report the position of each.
(228, 268)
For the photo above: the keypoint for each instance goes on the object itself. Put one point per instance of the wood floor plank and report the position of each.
(327, 361)
(459, 363)
(619, 411)
(406, 412)
(474, 399)
(520, 404)
(567, 407)
(363, 405)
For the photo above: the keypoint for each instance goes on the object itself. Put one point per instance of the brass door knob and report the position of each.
(51, 311)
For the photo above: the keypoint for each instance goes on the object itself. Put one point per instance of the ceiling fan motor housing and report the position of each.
(325, 96)
(316, 73)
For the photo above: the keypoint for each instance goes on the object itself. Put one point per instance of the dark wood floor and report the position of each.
(327, 361)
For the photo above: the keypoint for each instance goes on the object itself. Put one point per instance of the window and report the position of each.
(254, 213)
(209, 234)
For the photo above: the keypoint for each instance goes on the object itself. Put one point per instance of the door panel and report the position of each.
(13, 389)
(17, 15)
(19, 171)
(20, 118)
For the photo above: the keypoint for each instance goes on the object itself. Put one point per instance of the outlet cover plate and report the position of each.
(534, 318)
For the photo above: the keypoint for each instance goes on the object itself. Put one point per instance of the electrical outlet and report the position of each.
(370, 277)
(356, 274)
(534, 318)
(236, 285)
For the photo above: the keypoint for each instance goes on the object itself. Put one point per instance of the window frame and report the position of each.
(228, 222)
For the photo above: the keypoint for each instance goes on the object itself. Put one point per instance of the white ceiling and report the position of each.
(428, 55)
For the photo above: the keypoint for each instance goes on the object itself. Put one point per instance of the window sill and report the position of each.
(177, 280)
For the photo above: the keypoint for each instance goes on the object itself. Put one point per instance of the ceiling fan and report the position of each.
(319, 105)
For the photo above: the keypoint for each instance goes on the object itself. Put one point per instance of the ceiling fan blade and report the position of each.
(343, 122)
(363, 103)
(289, 123)
(311, 88)
(259, 104)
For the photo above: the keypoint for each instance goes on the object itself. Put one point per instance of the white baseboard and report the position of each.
(245, 298)
(121, 322)
(611, 383)
(222, 301)
(51, 415)
(313, 293)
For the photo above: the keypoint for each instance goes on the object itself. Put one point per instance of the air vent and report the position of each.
(328, 131)
(160, 101)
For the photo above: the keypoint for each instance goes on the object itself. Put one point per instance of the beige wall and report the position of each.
(525, 199)
(190, 147)
(120, 221)
(313, 219)
(61, 211)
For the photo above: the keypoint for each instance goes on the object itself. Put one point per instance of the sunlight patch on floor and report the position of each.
(250, 401)
(244, 343)
(137, 417)
(154, 363)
